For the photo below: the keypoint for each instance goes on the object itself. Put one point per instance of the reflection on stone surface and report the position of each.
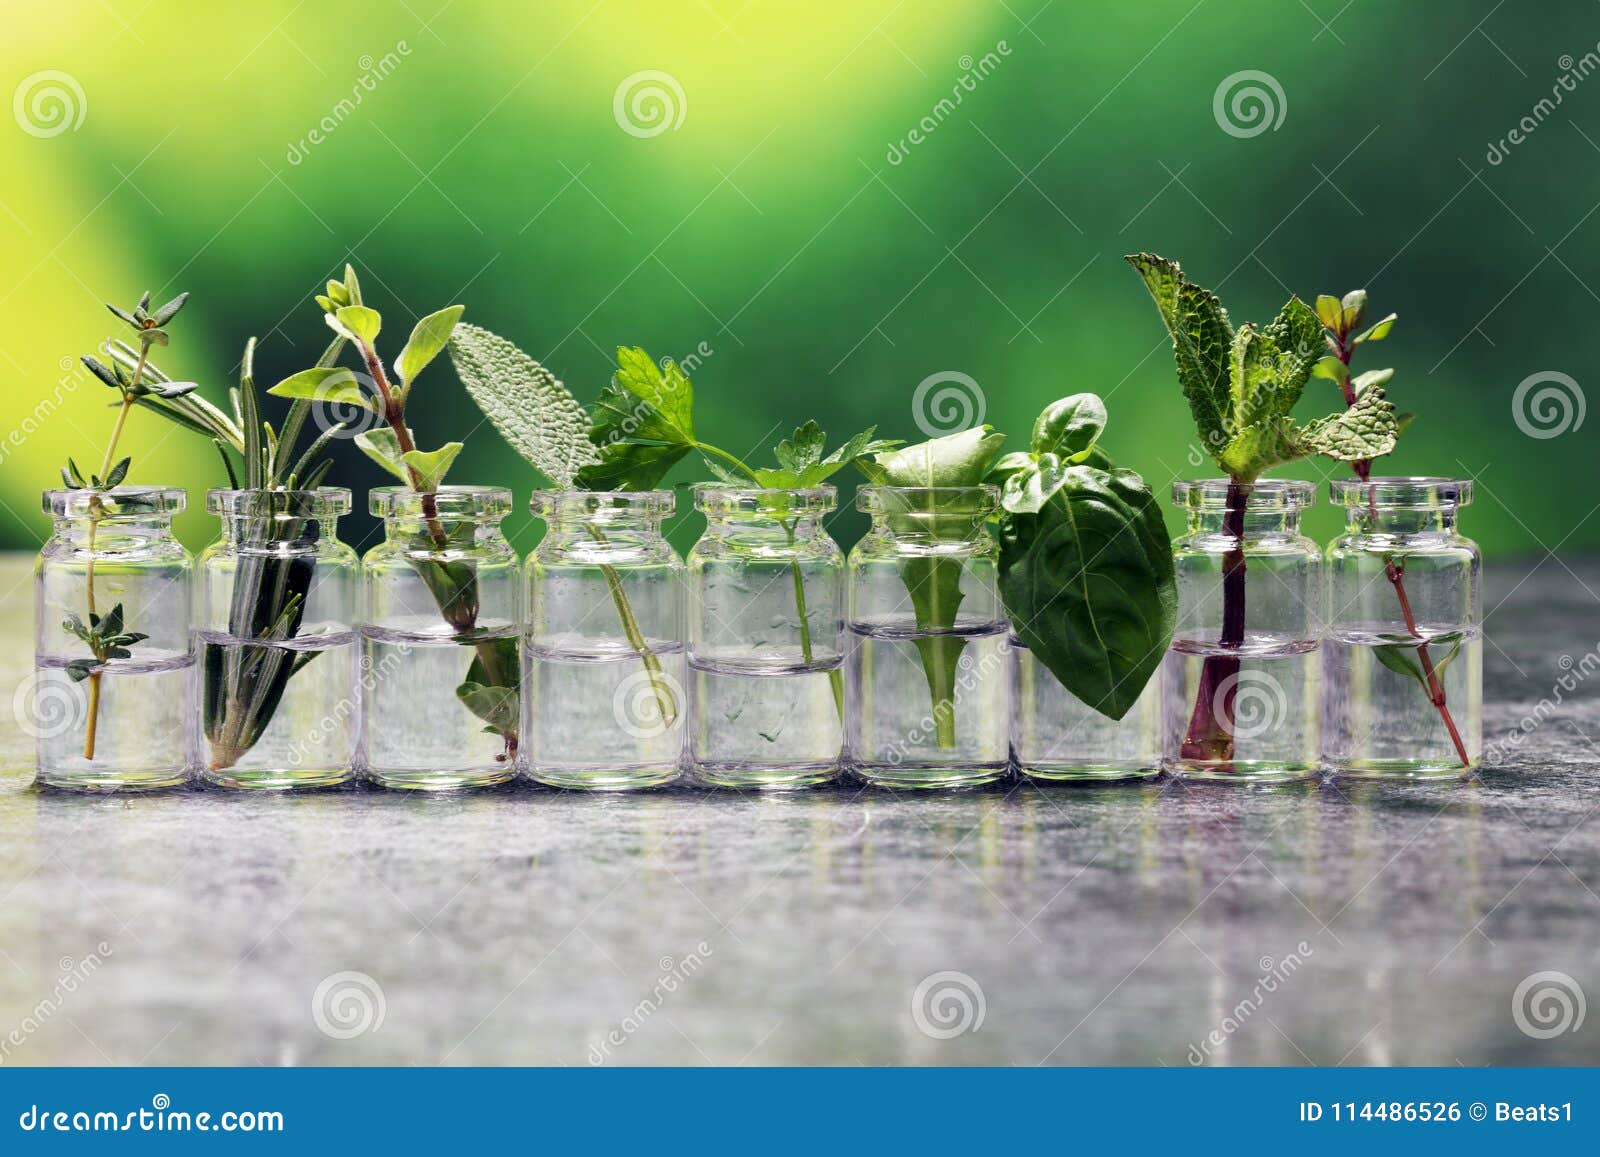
(1146, 923)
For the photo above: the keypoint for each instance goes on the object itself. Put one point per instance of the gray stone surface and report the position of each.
(1103, 925)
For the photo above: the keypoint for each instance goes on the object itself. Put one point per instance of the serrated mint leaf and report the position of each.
(1364, 431)
(1202, 338)
(1258, 448)
(536, 415)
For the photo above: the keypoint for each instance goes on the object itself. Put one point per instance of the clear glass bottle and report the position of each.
(929, 691)
(109, 696)
(605, 664)
(1242, 697)
(441, 641)
(1058, 737)
(1403, 658)
(275, 642)
(766, 639)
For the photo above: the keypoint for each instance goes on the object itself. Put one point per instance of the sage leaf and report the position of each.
(536, 415)
(1087, 579)
(428, 339)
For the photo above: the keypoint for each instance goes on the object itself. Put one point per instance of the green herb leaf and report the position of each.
(383, 447)
(356, 323)
(492, 695)
(1202, 339)
(801, 463)
(118, 473)
(1070, 426)
(1364, 431)
(431, 466)
(333, 384)
(1087, 578)
(645, 402)
(1379, 330)
(1352, 309)
(1401, 654)
(1361, 383)
(1329, 309)
(536, 415)
(630, 466)
(954, 460)
(428, 338)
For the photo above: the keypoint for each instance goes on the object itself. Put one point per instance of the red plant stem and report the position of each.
(1395, 575)
(1209, 738)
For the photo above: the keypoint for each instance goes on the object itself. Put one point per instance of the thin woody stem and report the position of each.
(1396, 574)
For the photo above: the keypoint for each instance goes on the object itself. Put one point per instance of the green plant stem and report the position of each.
(92, 724)
(394, 413)
(1395, 575)
(835, 676)
(666, 702)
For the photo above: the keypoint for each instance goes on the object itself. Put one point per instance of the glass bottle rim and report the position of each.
(448, 501)
(725, 498)
(1413, 492)
(323, 502)
(1266, 496)
(124, 502)
(980, 500)
(650, 504)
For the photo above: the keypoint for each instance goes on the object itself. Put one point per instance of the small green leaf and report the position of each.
(1361, 383)
(1329, 310)
(1402, 654)
(645, 402)
(80, 669)
(1069, 426)
(431, 466)
(1379, 330)
(381, 445)
(428, 338)
(72, 475)
(170, 310)
(149, 336)
(102, 371)
(356, 322)
(1352, 309)
(802, 449)
(118, 473)
(333, 384)
(1331, 368)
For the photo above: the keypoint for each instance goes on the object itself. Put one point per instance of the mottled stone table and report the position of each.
(1102, 925)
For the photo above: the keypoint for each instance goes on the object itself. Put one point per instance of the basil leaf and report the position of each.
(1087, 579)
(1400, 654)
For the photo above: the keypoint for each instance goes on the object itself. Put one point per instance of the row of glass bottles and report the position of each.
(436, 662)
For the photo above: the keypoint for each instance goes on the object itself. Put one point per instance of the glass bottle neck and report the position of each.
(113, 534)
(1401, 520)
(240, 531)
(920, 531)
(1249, 524)
(446, 532)
(764, 529)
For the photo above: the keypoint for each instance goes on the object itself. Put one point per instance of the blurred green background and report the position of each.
(787, 228)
